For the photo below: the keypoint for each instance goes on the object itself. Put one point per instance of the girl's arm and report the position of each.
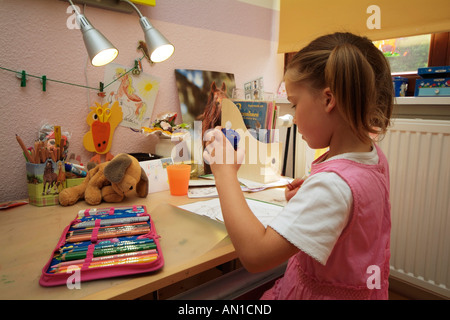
(258, 248)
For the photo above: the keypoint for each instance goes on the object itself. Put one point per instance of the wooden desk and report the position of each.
(28, 234)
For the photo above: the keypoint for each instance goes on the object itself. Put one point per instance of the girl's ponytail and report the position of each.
(351, 79)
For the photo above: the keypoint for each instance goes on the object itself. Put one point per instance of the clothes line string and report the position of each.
(23, 74)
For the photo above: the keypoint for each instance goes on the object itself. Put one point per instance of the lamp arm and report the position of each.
(74, 8)
(134, 7)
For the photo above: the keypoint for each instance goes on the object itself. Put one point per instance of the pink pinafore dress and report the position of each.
(358, 266)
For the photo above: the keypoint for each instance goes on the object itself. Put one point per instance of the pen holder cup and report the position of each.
(72, 182)
(45, 181)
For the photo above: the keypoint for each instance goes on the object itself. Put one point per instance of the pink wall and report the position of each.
(228, 36)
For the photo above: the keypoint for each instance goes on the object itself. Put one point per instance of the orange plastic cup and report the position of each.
(178, 175)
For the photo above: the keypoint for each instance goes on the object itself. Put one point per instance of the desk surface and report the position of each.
(28, 235)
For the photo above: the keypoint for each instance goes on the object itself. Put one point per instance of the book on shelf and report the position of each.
(259, 118)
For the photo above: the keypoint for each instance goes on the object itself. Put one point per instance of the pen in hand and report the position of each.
(290, 186)
(291, 189)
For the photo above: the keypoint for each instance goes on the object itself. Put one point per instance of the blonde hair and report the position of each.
(357, 74)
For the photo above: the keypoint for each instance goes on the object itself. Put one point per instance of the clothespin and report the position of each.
(101, 93)
(44, 83)
(136, 70)
(22, 75)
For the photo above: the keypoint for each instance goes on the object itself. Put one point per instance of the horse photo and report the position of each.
(200, 94)
(49, 178)
(211, 116)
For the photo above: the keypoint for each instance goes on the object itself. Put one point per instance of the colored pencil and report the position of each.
(114, 256)
(106, 234)
(111, 222)
(112, 210)
(113, 262)
(24, 149)
(112, 245)
(108, 251)
(110, 216)
(101, 242)
(110, 228)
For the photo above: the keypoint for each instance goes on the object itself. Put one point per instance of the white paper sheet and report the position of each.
(264, 211)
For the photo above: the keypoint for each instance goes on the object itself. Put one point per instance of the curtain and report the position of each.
(302, 21)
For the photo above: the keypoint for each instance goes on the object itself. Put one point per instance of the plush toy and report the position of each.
(108, 181)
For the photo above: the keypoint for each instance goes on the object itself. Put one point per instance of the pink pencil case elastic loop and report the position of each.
(94, 234)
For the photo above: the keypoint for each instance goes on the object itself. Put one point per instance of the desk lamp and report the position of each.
(159, 47)
(99, 49)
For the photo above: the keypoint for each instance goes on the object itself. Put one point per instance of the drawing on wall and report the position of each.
(136, 94)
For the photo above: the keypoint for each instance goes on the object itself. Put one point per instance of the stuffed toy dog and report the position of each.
(108, 181)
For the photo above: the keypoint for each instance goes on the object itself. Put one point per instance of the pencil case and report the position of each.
(104, 243)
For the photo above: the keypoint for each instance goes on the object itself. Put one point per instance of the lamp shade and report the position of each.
(99, 49)
(159, 47)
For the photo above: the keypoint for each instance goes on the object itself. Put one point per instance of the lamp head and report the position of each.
(159, 47)
(99, 49)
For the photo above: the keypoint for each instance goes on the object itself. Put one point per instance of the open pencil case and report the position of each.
(104, 243)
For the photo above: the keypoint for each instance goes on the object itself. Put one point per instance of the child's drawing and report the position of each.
(136, 94)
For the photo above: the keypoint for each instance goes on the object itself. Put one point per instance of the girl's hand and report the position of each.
(292, 188)
(220, 154)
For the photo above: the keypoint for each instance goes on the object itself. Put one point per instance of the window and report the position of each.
(406, 54)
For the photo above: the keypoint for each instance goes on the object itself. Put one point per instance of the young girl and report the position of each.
(335, 229)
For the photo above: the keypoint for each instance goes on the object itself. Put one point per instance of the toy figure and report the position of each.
(102, 122)
(109, 181)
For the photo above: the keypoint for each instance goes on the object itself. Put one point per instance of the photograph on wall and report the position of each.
(254, 90)
(200, 93)
(136, 94)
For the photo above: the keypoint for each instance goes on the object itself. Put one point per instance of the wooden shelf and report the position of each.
(406, 107)
(422, 101)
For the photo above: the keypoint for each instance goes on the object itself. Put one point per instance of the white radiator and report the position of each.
(418, 152)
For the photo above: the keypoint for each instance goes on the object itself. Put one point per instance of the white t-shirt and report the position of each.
(316, 215)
